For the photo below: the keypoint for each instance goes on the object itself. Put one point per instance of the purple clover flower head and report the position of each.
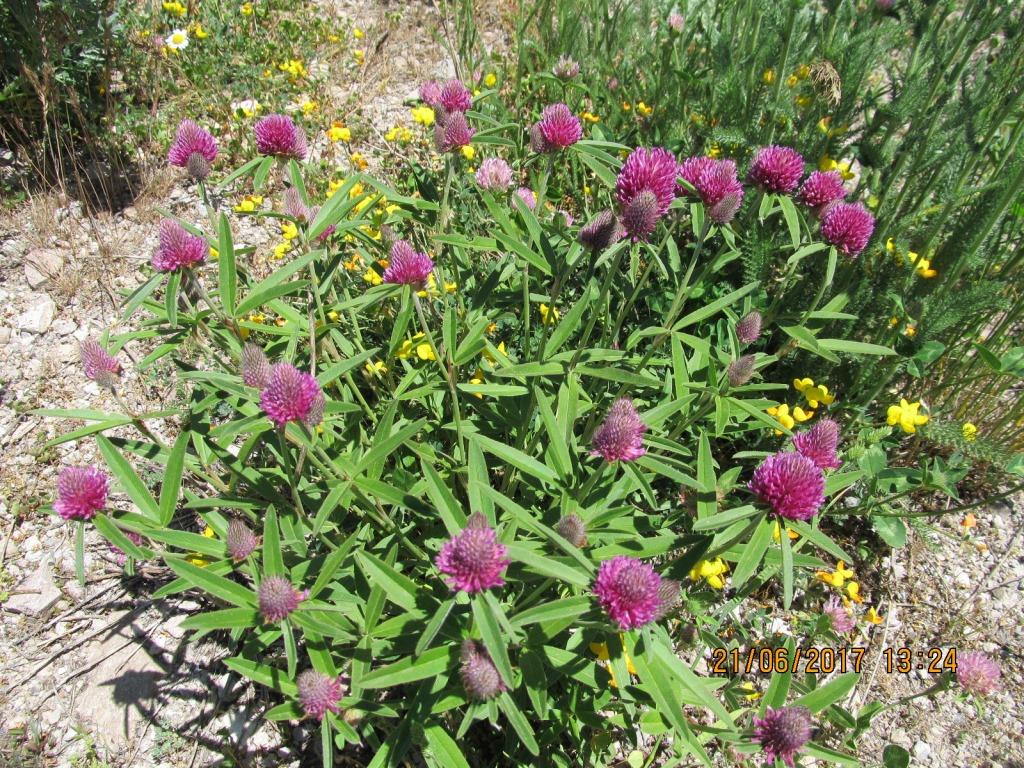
(255, 366)
(494, 174)
(278, 598)
(537, 142)
(601, 231)
(669, 597)
(430, 92)
(790, 484)
(526, 195)
(566, 68)
(720, 190)
(782, 732)
(241, 542)
(559, 127)
(621, 436)
(651, 174)
(725, 210)
(777, 169)
(847, 226)
(318, 694)
(572, 529)
(629, 591)
(740, 370)
(279, 136)
(676, 21)
(819, 444)
(81, 493)
(821, 189)
(455, 97)
(407, 266)
(749, 327)
(98, 364)
(295, 207)
(178, 249)
(479, 676)
(291, 395)
(452, 133)
(194, 149)
(690, 171)
(640, 215)
(840, 621)
(977, 673)
(474, 560)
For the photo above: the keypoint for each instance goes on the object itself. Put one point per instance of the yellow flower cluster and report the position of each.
(829, 164)
(781, 413)
(712, 571)
(294, 67)
(601, 651)
(548, 315)
(970, 432)
(814, 394)
(923, 267)
(907, 415)
(841, 579)
(415, 345)
(490, 80)
(249, 204)
(399, 133)
(423, 115)
(338, 132)
(643, 110)
(246, 9)
(175, 8)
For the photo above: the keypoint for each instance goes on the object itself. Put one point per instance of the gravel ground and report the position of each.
(103, 672)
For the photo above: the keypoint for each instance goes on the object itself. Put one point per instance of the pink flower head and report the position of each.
(193, 148)
(821, 189)
(526, 195)
(178, 249)
(777, 169)
(558, 128)
(474, 560)
(601, 231)
(279, 136)
(99, 366)
(977, 672)
(494, 174)
(241, 541)
(318, 694)
(790, 484)
(81, 493)
(847, 226)
(452, 132)
(629, 591)
(749, 328)
(676, 20)
(840, 621)
(740, 370)
(479, 676)
(819, 444)
(278, 598)
(782, 732)
(291, 395)
(407, 266)
(690, 171)
(295, 206)
(716, 184)
(621, 436)
(455, 97)
(566, 68)
(255, 366)
(430, 92)
(645, 189)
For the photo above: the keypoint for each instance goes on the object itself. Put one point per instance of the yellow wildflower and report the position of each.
(800, 415)
(358, 161)
(777, 532)
(468, 152)
(281, 250)
(338, 132)
(626, 106)
(280, 322)
(837, 577)
(752, 694)
(828, 164)
(872, 616)
(423, 115)
(199, 32)
(873, 201)
(375, 368)
(333, 315)
(214, 253)
(257, 317)
(450, 287)
(490, 80)
(601, 651)
(802, 72)
(712, 571)
(813, 394)
(246, 9)
(643, 110)
(924, 269)
(175, 9)
(491, 328)
(478, 378)
(970, 432)
(372, 277)
(548, 315)
(294, 67)
(768, 76)
(906, 415)
(308, 107)
(359, 55)
(781, 414)
(803, 101)
(288, 230)
(853, 592)
(714, 151)
(486, 354)
(249, 204)
(792, 80)
(910, 331)
(357, 33)
(894, 321)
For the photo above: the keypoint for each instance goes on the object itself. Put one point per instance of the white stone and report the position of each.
(39, 314)
(36, 594)
(922, 750)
